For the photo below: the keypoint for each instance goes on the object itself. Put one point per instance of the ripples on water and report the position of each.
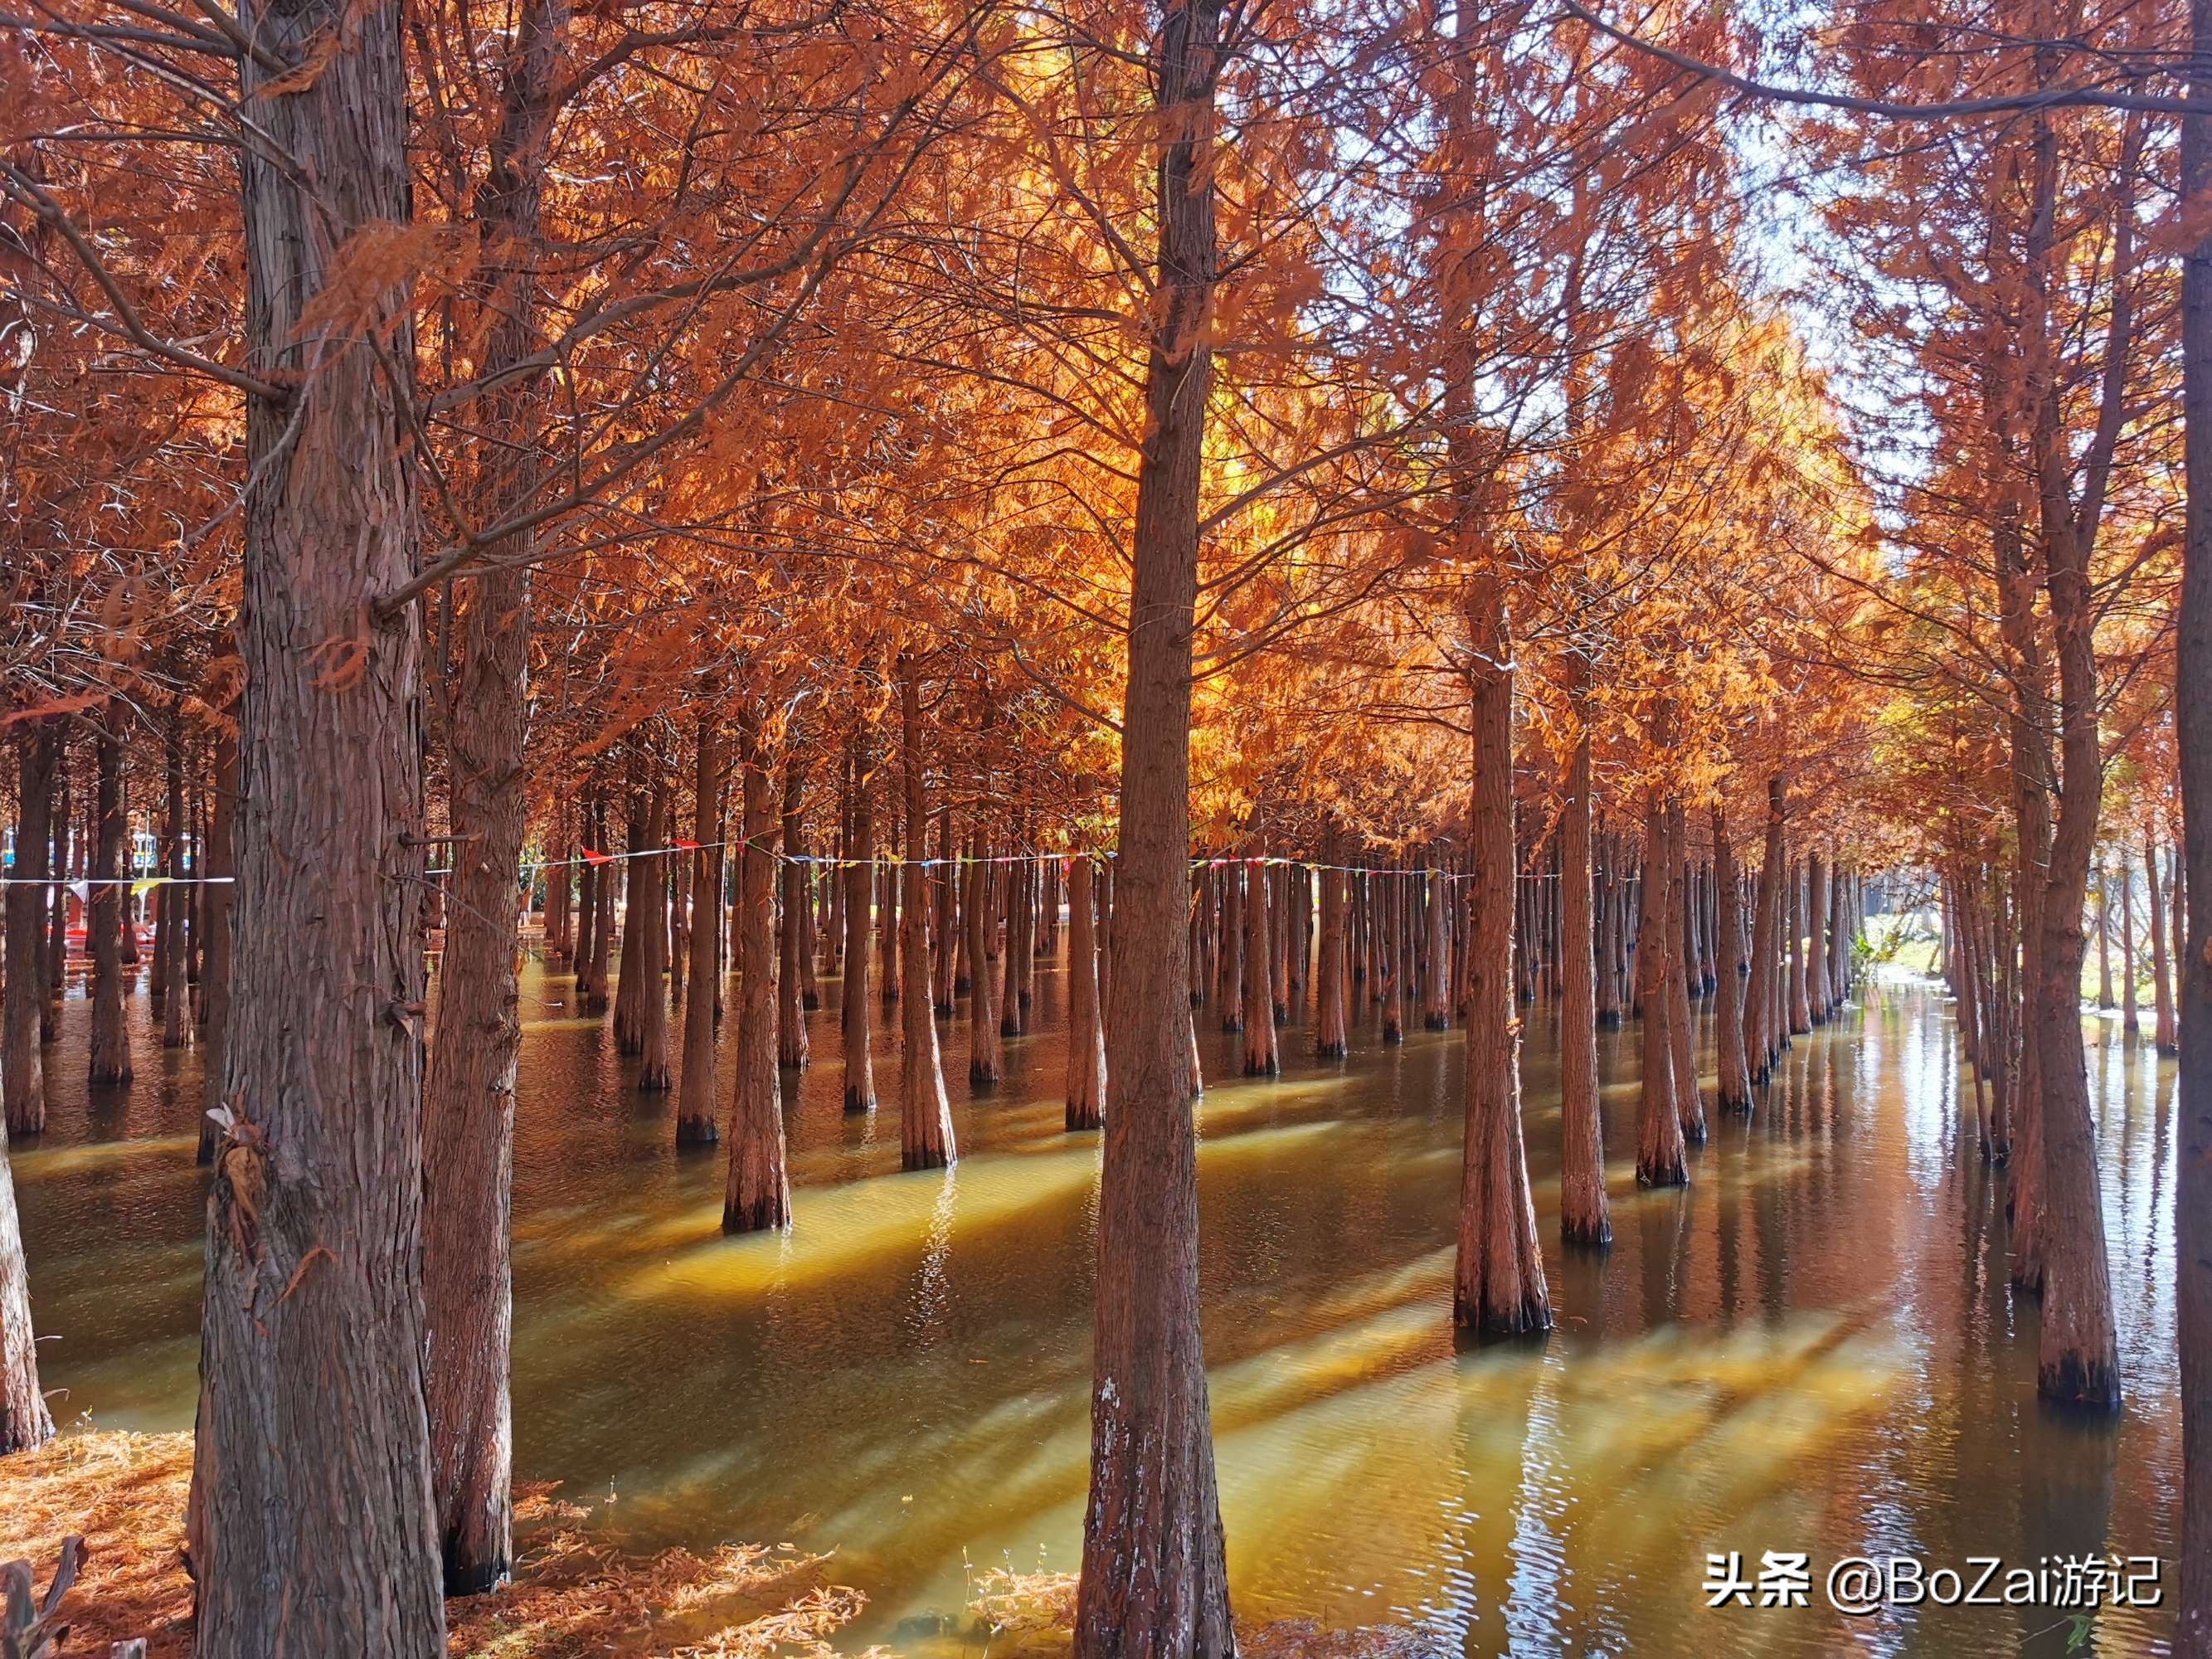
(1812, 1347)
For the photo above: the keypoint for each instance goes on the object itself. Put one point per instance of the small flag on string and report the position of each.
(683, 846)
(147, 885)
(591, 858)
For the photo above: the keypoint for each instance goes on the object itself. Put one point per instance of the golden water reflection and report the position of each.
(1812, 1347)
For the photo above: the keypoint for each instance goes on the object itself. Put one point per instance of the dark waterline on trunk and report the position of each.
(1811, 1347)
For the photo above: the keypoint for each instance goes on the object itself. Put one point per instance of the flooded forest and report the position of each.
(1134, 830)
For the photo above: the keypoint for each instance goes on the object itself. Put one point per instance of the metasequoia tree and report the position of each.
(314, 1230)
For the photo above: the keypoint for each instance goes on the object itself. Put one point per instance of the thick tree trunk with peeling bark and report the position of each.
(925, 1116)
(468, 1127)
(1584, 1217)
(1155, 1581)
(758, 1197)
(469, 1097)
(312, 1529)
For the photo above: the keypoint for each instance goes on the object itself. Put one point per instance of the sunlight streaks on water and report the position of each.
(1814, 1346)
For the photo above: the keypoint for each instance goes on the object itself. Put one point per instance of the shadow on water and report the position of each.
(1812, 1347)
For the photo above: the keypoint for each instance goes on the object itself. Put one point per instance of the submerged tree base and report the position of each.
(572, 1594)
(2080, 1384)
(1014, 1615)
(763, 1216)
(1587, 1235)
(1529, 1317)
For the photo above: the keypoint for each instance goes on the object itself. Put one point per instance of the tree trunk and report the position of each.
(596, 999)
(2130, 1016)
(23, 1067)
(860, 873)
(1155, 1583)
(1390, 951)
(468, 1098)
(695, 1100)
(1728, 981)
(171, 930)
(1584, 1215)
(24, 1420)
(57, 951)
(1606, 889)
(1817, 906)
(312, 1529)
(1436, 993)
(759, 1196)
(2078, 1357)
(1759, 1047)
(2193, 726)
(636, 910)
(2103, 935)
(925, 1116)
(790, 1044)
(222, 902)
(468, 1122)
(650, 891)
(945, 924)
(1332, 987)
(1660, 1158)
(108, 914)
(1022, 935)
(2177, 901)
(887, 921)
(1681, 1029)
(1259, 1057)
(1498, 1283)
(984, 1064)
(1229, 984)
(586, 941)
(2161, 982)
(679, 915)
(1086, 1031)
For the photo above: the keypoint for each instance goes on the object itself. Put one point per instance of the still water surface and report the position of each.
(1814, 1347)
